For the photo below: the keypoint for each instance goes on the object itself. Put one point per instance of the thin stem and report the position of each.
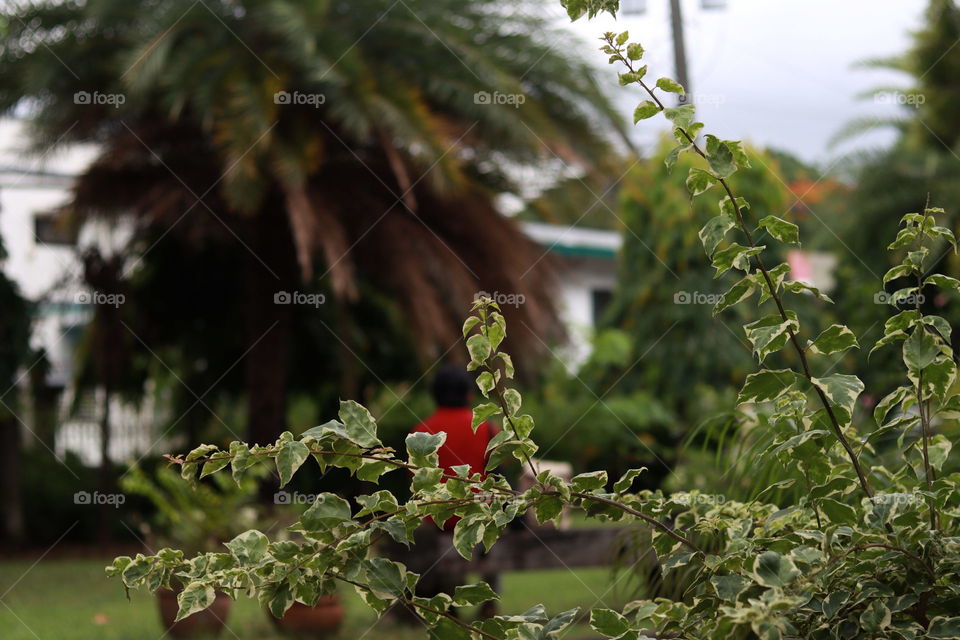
(449, 616)
(864, 547)
(367, 523)
(923, 407)
(506, 414)
(416, 605)
(513, 492)
(925, 439)
(499, 391)
(639, 514)
(806, 479)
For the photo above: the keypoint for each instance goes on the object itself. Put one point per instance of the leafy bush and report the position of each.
(869, 550)
(664, 285)
(194, 517)
(594, 425)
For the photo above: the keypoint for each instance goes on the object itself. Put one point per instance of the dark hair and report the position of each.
(451, 386)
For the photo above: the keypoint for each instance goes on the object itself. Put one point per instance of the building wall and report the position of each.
(587, 259)
(585, 284)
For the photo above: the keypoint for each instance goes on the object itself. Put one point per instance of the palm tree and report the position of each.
(335, 141)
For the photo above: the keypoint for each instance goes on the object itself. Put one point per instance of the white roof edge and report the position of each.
(573, 237)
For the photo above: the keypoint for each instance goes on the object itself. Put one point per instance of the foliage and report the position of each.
(194, 518)
(664, 286)
(583, 420)
(869, 551)
(730, 454)
(889, 181)
(78, 588)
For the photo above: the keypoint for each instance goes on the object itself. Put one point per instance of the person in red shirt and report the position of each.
(453, 393)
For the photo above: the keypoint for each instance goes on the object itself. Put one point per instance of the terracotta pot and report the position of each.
(321, 621)
(210, 621)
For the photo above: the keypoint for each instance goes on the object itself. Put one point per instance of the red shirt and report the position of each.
(462, 445)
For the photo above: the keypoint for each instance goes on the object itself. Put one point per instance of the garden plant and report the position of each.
(870, 550)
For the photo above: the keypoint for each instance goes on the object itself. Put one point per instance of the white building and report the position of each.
(587, 260)
(43, 260)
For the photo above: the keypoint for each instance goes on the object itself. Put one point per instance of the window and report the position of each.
(601, 299)
(51, 228)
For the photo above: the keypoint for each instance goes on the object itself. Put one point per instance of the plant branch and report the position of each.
(864, 547)
(366, 456)
(924, 408)
(774, 294)
(498, 390)
(639, 514)
(414, 604)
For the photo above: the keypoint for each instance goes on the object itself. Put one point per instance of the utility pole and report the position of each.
(680, 51)
(682, 72)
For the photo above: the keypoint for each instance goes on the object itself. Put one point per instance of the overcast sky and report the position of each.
(777, 72)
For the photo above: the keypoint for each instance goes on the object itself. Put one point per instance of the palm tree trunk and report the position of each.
(268, 322)
(349, 372)
(266, 374)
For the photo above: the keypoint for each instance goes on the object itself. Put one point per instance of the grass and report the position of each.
(73, 600)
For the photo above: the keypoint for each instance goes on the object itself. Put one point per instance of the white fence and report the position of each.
(135, 431)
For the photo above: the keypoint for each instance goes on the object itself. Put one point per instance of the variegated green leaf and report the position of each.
(784, 231)
(842, 390)
(833, 339)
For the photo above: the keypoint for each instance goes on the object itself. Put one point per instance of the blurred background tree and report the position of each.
(361, 163)
(14, 349)
(660, 364)
(666, 288)
(887, 183)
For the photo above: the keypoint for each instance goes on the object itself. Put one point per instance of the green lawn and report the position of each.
(73, 600)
